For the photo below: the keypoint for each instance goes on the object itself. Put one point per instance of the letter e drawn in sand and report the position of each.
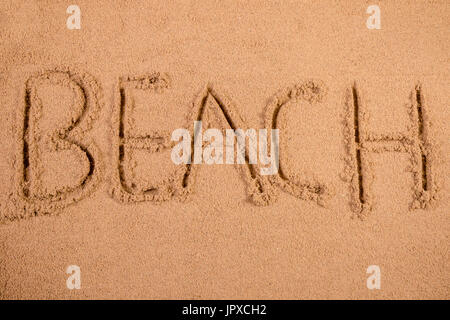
(128, 141)
(44, 149)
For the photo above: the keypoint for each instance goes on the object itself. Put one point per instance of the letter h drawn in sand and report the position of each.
(415, 142)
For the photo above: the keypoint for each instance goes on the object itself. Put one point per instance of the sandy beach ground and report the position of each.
(353, 193)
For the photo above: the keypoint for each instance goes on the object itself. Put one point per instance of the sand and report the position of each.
(87, 177)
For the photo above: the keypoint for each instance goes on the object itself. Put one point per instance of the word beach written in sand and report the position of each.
(38, 148)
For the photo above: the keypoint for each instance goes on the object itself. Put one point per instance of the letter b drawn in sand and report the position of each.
(59, 165)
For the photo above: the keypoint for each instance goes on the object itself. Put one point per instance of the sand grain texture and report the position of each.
(87, 179)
